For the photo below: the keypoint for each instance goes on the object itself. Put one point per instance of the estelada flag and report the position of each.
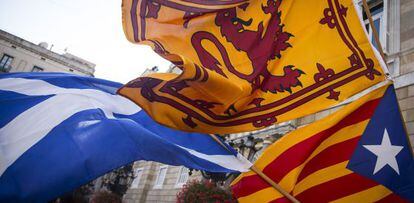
(248, 64)
(359, 154)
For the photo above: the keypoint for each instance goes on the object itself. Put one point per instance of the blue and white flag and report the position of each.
(59, 131)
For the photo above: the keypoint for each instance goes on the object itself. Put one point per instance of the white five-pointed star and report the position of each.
(386, 153)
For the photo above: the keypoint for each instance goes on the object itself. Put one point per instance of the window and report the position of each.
(160, 177)
(138, 174)
(378, 13)
(5, 62)
(37, 69)
(182, 177)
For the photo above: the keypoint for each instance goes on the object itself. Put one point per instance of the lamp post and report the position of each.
(250, 145)
(119, 180)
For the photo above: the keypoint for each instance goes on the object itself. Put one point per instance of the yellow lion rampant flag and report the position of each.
(248, 64)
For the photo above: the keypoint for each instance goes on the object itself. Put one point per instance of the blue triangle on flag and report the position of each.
(383, 153)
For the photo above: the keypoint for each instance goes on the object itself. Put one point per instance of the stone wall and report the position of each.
(406, 94)
(407, 35)
(406, 101)
(146, 191)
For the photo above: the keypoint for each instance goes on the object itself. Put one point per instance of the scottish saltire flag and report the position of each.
(359, 154)
(59, 131)
(248, 64)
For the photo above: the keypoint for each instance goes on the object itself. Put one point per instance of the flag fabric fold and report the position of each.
(248, 64)
(359, 154)
(60, 131)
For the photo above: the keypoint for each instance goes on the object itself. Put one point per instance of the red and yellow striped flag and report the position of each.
(313, 163)
(248, 64)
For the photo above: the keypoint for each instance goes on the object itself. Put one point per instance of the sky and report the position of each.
(90, 29)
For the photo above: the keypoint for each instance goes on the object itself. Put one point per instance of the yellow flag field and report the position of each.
(248, 64)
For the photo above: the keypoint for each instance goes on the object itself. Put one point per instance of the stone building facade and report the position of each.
(19, 55)
(394, 19)
(156, 182)
(405, 55)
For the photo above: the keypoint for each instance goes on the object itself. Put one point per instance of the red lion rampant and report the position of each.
(260, 48)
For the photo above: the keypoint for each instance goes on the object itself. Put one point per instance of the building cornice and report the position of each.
(45, 53)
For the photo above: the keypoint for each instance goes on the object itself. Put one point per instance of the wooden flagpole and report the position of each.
(273, 184)
(374, 30)
(376, 37)
(263, 176)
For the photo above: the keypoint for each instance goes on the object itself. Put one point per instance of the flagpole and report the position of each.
(374, 30)
(262, 175)
(273, 184)
(376, 37)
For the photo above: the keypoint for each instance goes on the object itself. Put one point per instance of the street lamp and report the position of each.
(248, 147)
(119, 180)
(216, 177)
(250, 144)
